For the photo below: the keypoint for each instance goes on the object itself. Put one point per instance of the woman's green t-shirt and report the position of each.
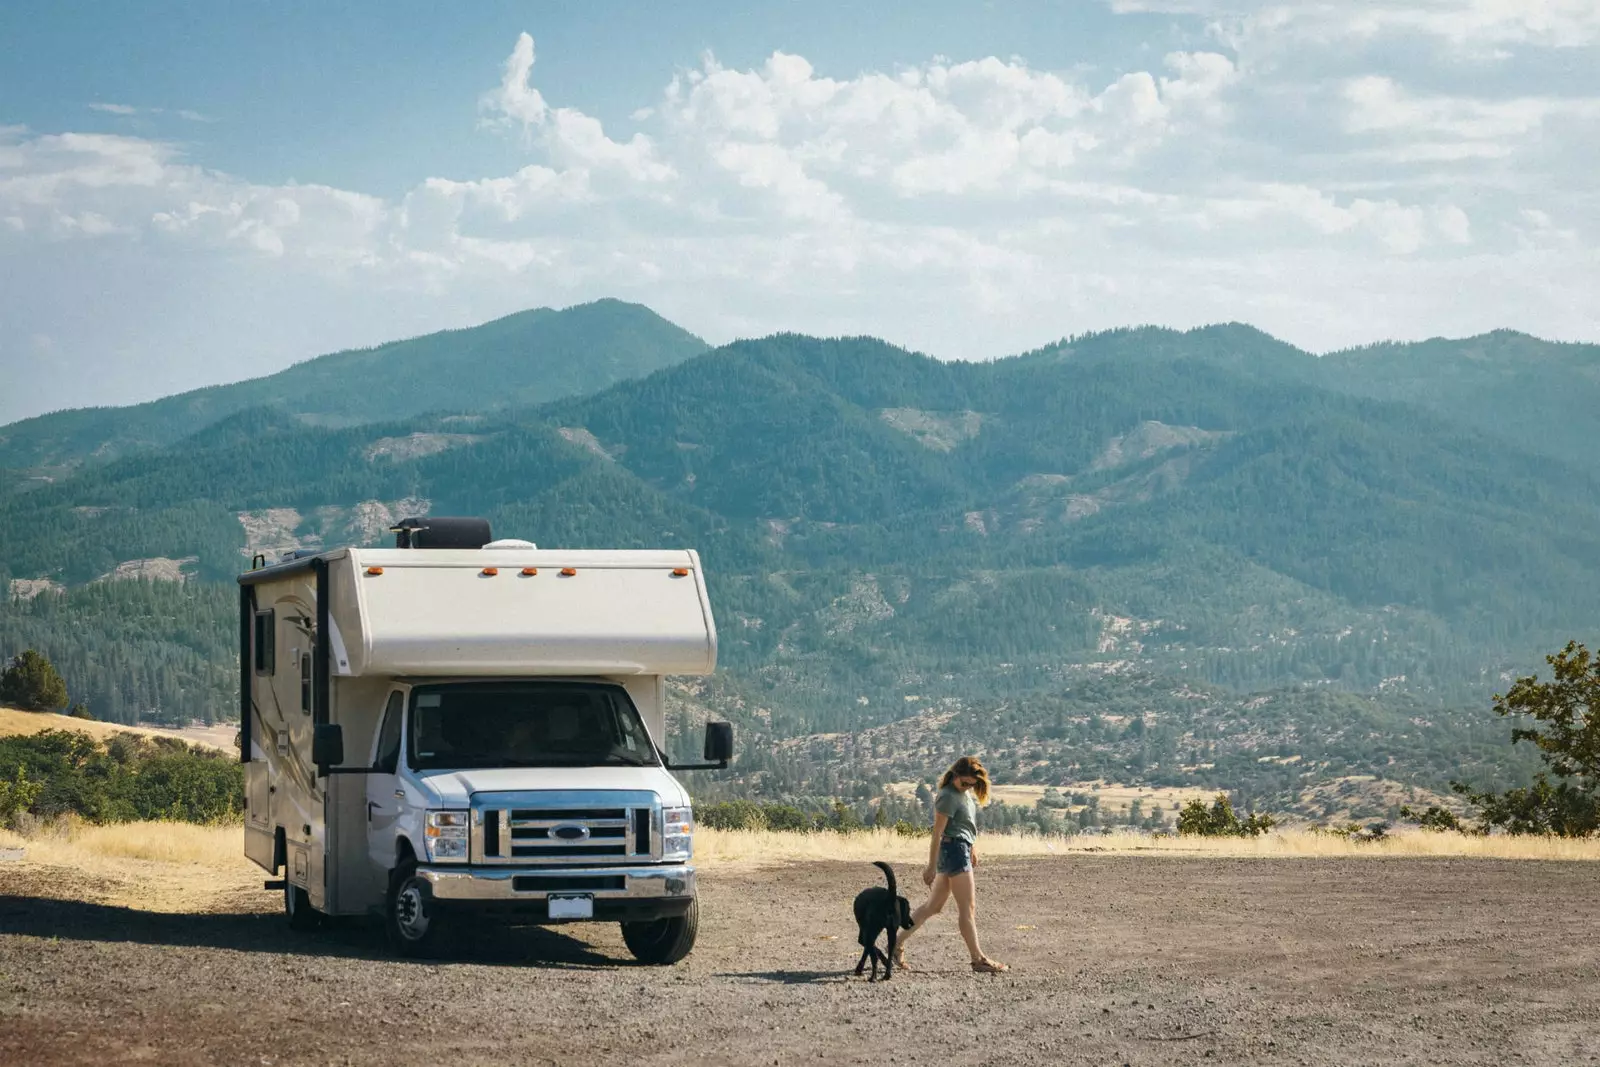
(962, 812)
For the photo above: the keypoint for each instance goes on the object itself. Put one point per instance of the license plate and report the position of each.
(572, 906)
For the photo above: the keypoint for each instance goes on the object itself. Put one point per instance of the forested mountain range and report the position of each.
(526, 358)
(888, 535)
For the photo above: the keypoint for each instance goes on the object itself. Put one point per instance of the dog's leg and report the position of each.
(888, 960)
(865, 954)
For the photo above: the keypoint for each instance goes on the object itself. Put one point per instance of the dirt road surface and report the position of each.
(1117, 960)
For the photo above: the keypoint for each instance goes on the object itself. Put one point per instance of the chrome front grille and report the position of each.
(518, 828)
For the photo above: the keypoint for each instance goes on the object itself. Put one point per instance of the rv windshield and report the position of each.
(526, 724)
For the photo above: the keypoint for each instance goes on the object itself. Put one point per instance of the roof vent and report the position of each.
(441, 532)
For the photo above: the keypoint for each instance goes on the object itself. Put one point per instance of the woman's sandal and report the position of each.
(988, 966)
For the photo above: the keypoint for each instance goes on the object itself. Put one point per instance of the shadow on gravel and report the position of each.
(790, 977)
(524, 946)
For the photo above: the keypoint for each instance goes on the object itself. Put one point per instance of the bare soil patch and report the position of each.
(1117, 959)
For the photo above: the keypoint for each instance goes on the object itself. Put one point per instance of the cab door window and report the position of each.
(388, 756)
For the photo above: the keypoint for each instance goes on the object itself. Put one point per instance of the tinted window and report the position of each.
(388, 759)
(266, 642)
(526, 724)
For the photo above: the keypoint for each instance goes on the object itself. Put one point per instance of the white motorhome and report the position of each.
(503, 712)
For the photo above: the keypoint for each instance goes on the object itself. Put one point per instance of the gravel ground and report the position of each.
(1117, 960)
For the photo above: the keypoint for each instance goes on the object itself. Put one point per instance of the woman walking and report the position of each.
(951, 858)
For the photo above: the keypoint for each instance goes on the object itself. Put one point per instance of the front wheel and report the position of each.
(415, 925)
(663, 941)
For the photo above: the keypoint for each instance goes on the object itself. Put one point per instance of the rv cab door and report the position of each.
(384, 795)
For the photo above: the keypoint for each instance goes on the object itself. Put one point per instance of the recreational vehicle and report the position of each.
(458, 727)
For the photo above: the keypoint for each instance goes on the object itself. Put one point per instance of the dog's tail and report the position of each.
(888, 872)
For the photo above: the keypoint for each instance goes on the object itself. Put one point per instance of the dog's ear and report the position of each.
(905, 912)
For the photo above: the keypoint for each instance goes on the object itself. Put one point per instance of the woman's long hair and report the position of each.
(969, 767)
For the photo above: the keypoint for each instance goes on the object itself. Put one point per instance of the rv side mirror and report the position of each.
(327, 745)
(719, 742)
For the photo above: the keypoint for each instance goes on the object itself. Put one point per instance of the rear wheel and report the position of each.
(297, 907)
(415, 925)
(663, 941)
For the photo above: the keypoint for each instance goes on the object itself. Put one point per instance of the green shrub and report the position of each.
(1220, 820)
(1435, 818)
(61, 772)
(17, 795)
(731, 815)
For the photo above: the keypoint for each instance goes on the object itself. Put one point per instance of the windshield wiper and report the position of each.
(629, 761)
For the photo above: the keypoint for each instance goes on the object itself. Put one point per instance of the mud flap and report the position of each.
(260, 848)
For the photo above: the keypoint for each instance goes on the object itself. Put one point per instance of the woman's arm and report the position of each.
(939, 819)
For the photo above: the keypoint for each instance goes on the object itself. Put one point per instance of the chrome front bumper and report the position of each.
(501, 883)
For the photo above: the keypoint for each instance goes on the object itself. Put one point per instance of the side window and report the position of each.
(305, 682)
(266, 642)
(388, 759)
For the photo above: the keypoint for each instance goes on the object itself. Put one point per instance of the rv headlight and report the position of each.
(445, 836)
(677, 834)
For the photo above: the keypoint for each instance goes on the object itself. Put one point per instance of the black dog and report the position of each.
(880, 910)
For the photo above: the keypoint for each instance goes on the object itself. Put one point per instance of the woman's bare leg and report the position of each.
(964, 888)
(937, 896)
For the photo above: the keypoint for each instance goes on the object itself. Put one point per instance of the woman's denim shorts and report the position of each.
(955, 856)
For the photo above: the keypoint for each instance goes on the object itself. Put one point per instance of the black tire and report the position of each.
(661, 942)
(416, 925)
(297, 908)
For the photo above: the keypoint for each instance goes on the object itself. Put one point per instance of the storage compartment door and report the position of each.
(258, 829)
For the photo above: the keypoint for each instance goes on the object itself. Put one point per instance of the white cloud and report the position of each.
(968, 208)
(571, 137)
(516, 100)
(1550, 23)
(1378, 103)
(128, 111)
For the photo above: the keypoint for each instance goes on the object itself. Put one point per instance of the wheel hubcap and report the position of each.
(409, 915)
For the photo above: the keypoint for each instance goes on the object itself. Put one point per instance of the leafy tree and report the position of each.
(32, 683)
(1434, 818)
(1566, 711)
(1220, 820)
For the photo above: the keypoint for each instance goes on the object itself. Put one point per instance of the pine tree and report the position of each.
(31, 683)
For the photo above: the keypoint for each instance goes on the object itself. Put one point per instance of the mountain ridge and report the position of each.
(535, 355)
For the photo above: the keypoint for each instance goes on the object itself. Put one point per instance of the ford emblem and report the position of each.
(570, 831)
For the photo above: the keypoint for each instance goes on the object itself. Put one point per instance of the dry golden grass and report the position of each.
(153, 866)
(14, 721)
(178, 867)
(1112, 796)
(756, 847)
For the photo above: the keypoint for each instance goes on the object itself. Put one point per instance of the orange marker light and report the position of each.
(374, 571)
(680, 572)
(529, 572)
(568, 572)
(490, 572)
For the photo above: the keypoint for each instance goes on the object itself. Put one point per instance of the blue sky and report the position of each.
(195, 193)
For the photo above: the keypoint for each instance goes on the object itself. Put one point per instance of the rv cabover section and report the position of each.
(501, 612)
(437, 733)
